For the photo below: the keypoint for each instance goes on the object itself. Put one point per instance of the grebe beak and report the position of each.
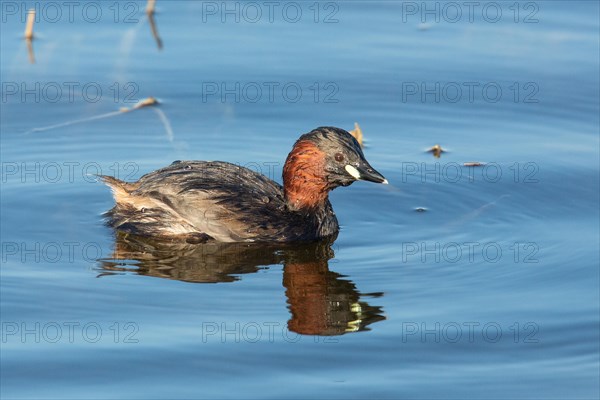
(365, 172)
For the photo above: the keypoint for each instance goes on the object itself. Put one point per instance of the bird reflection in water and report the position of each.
(321, 302)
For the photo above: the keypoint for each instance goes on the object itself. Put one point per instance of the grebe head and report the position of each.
(322, 160)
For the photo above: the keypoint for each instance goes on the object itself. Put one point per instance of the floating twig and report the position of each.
(473, 164)
(29, 43)
(150, 6)
(150, 10)
(29, 34)
(157, 38)
(29, 24)
(73, 122)
(357, 133)
(149, 101)
(437, 151)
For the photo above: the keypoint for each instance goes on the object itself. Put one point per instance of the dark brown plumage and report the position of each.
(200, 201)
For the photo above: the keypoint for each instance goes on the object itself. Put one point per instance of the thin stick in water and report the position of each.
(150, 7)
(29, 24)
(30, 51)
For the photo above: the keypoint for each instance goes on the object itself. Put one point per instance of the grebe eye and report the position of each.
(339, 157)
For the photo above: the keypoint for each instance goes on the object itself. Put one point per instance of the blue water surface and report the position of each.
(455, 281)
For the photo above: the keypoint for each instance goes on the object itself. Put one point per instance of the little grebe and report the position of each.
(200, 201)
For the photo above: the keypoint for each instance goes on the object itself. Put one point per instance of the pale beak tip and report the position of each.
(385, 182)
